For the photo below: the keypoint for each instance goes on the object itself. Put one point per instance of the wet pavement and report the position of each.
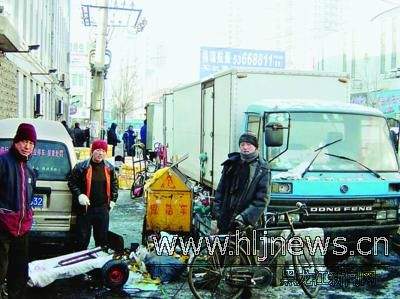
(126, 220)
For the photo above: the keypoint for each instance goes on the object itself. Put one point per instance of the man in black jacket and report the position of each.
(94, 187)
(241, 195)
(112, 137)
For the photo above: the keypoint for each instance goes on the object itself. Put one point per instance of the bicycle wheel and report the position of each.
(306, 274)
(208, 275)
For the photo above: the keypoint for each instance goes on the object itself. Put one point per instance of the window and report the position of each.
(362, 137)
(50, 159)
(253, 124)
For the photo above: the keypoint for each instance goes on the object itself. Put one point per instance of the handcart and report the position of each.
(114, 271)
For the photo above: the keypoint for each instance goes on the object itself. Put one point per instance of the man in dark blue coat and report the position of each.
(143, 138)
(241, 196)
(17, 182)
(129, 138)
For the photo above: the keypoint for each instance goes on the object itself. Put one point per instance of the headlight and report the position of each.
(295, 217)
(391, 214)
(281, 188)
(381, 215)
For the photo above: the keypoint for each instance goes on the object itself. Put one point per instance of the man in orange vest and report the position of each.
(94, 187)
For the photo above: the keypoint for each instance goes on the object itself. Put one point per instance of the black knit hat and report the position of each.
(249, 137)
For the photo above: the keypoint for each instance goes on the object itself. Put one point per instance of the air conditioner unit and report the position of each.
(60, 108)
(38, 105)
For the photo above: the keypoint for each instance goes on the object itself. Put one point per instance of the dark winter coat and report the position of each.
(143, 134)
(112, 137)
(78, 137)
(129, 138)
(234, 196)
(80, 182)
(17, 182)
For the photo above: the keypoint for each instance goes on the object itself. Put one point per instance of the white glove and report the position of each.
(112, 204)
(214, 227)
(239, 221)
(84, 200)
(239, 218)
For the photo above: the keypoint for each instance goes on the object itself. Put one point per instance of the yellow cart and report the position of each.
(168, 201)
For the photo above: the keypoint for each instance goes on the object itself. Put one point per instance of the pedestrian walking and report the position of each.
(78, 136)
(17, 181)
(129, 139)
(143, 138)
(112, 137)
(69, 131)
(94, 186)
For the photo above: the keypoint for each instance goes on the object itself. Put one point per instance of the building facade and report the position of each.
(34, 83)
(81, 44)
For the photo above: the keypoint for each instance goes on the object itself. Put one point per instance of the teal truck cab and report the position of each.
(338, 159)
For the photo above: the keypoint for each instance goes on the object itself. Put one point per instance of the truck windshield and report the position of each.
(365, 138)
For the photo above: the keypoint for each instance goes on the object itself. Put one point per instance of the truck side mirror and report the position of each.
(395, 140)
(273, 134)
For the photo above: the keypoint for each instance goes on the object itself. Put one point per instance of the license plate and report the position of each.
(37, 201)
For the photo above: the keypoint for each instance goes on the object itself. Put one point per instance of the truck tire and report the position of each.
(115, 274)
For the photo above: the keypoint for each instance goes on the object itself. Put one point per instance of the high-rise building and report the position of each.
(34, 83)
(297, 28)
(80, 46)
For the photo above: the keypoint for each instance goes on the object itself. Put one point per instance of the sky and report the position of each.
(167, 52)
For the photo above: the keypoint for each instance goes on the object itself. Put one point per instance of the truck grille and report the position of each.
(323, 213)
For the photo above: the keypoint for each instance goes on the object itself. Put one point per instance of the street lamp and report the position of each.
(30, 48)
(51, 71)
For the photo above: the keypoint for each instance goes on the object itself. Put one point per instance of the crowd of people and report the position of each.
(81, 137)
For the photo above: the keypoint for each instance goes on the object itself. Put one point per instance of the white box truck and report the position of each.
(352, 188)
(206, 118)
(154, 116)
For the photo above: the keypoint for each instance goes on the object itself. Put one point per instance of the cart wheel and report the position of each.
(115, 274)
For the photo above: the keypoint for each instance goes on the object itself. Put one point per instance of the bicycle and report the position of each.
(144, 173)
(227, 275)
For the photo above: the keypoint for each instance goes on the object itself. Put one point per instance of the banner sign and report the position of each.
(217, 59)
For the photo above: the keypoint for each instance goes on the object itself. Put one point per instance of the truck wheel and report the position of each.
(115, 274)
(331, 260)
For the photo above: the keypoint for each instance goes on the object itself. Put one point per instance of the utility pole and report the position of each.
(97, 57)
(98, 74)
